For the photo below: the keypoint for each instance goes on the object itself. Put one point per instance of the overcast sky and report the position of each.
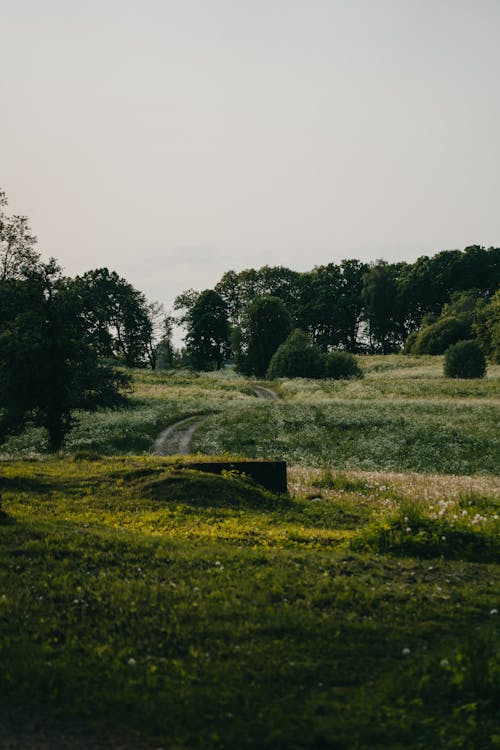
(172, 140)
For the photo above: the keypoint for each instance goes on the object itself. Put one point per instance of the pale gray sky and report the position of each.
(172, 140)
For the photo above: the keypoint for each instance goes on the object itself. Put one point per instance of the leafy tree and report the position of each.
(465, 359)
(487, 326)
(184, 303)
(330, 304)
(238, 290)
(48, 366)
(296, 357)
(18, 256)
(436, 338)
(381, 296)
(164, 350)
(267, 325)
(117, 317)
(207, 339)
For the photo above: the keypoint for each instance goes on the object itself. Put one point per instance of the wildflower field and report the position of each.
(147, 606)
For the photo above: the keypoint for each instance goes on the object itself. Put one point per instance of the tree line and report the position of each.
(350, 306)
(62, 339)
(67, 343)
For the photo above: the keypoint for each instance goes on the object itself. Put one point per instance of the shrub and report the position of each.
(297, 357)
(409, 344)
(464, 360)
(341, 366)
(436, 338)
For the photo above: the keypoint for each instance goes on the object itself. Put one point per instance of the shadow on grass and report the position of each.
(209, 490)
(429, 539)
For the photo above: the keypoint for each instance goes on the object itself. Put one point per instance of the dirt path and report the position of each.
(177, 438)
(262, 392)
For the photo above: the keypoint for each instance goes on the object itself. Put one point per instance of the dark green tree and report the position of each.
(117, 317)
(48, 365)
(465, 359)
(267, 325)
(486, 326)
(296, 357)
(381, 297)
(207, 338)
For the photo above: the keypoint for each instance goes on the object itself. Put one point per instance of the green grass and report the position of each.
(162, 606)
(195, 611)
(402, 416)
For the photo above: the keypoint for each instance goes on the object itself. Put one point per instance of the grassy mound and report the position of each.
(172, 608)
(207, 490)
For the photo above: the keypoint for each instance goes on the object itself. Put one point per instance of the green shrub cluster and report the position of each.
(464, 359)
(437, 337)
(298, 357)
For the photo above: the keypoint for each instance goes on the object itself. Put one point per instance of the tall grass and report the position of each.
(402, 416)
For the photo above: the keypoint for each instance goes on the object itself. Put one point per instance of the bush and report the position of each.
(436, 338)
(297, 357)
(409, 344)
(464, 360)
(341, 366)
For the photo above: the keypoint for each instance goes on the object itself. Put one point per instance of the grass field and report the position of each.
(402, 416)
(145, 606)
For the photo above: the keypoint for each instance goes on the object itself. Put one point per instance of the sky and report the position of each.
(173, 140)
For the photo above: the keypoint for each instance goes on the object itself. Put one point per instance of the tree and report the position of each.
(207, 339)
(267, 325)
(487, 327)
(48, 365)
(296, 357)
(437, 337)
(18, 256)
(383, 307)
(465, 359)
(164, 349)
(117, 317)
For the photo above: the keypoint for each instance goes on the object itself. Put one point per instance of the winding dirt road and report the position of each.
(176, 438)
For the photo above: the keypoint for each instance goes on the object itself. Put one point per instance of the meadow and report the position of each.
(144, 606)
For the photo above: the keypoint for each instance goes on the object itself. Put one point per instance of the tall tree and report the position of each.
(383, 309)
(117, 316)
(266, 326)
(48, 367)
(207, 339)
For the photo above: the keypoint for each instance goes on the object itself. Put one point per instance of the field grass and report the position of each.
(362, 612)
(145, 606)
(402, 416)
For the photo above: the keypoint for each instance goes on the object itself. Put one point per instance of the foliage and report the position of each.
(383, 305)
(47, 366)
(487, 327)
(360, 308)
(465, 360)
(437, 337)
(409, 345)
(330, 305)
(341, 366)
(117, 317)
(397, 418)
(267, 325)
(207, 338)
(296, 357)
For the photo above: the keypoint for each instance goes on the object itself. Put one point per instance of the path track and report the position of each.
(262, 392)
(176, 438)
